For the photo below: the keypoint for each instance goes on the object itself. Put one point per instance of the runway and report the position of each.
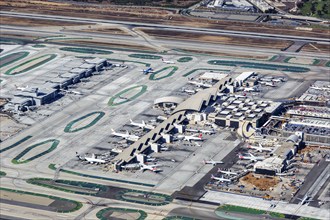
(170, 27)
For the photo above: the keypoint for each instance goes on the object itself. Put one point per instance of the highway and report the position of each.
(170, 27)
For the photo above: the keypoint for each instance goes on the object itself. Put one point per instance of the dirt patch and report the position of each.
(275, 44)
(25, 198)
(260, 182)
(111, 45)
(3, 102)
(31, 22)
(9, 127)
(315, 47)
(234, 55)
(112, 31)
(149, 15)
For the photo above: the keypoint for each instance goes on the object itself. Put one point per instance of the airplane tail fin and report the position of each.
(113, 131)
(143, 123)
(131, 121)
(200, 135)
(204, 161)
(219, 170)
(212, 177)
(127, 133)
(93, 156)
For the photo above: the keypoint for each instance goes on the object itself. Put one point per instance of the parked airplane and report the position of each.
(189, 91)
(116, 150)
(250, 157)
(92, 159)
(320, 88)
(152, 168)
(260, 148)
(191, 137)
(278, 80)
(164, 149)
(126, 136)
(147, 71)
(227, 172)
(251, 89)
(167, 61)
(74, 92)
(271, 84)
(212, 162)
(22, 88)
(133, 166)
(207, 131)
(26, 88)
(71, 92)
(305, 200)
(191, 130)
(197, 144)
(200, 84)
(142, 125)
(220, 179)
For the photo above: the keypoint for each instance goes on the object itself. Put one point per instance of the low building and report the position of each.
(270, 166)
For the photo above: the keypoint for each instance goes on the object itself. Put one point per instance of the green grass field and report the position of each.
(315, 8)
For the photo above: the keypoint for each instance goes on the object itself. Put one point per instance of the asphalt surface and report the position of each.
(197, 191)
(309, 180)
(168, 27)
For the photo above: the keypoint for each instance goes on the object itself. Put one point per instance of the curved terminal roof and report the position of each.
(168, 99)
(196, 102)
(293, 138)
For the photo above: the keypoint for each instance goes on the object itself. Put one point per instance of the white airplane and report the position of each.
(271, 84)
(71, 92)
(251, 89)
(150, 159)
(164, 149)
(277, 80)
(152, 168)
(189, 91)
(305, 200)
(250, 157)
(74, 92)
(191, 137)
(220, 179)
(142, 125)
(260, 148)
(320, 88)
(126, 136)
(227, 172)
(197, 144)
(207, 131)
(92, 159)
(161, 118)
(22, 88)
(26, 88)
(191, 130)
(116, 150)
(133, 166)
(168, 61)
(212, 162)
(200, 84)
